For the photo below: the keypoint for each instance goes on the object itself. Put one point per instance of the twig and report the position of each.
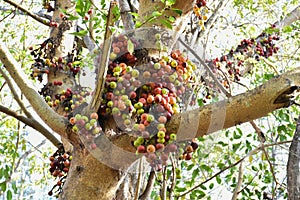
(248, 183)
(6, 16)
(232, 165)
(239, 182)
(2, 86)
(145, 195)
(163, 190)
(259, 132)
(102, 68)
(173, 183)
(212, 19)
(40, 13)
(245, 86)
(262, 139)
(91, 21)
(206, 67)
(34, 16)
(269, 64)
(15, 95)
(32, 123)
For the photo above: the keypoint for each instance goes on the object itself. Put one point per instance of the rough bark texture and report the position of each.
(293, 166)
(62, 42)
(90, 179)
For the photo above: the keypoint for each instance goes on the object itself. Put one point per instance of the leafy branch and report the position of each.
(31, 14)
(252, 152)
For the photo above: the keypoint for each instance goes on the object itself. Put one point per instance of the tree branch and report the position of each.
(34, 16)
(32, 123)
(15, 95)
(239, 182)
(48, 115)
(40, 13)
(217, 82)
(293, 166)
(212, 19)
(125, 15)
(147, 191)
(36, 125)
(289, 18)
(256, 103)
(102, 68)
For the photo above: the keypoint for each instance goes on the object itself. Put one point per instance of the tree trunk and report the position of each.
(293, 166)
(90, 179)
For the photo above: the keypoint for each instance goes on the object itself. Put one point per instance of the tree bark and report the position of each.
(275, 94)
(293, 166)
(88, 178)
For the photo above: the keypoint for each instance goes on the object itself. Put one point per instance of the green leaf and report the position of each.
(180, 189)
(211, 186)
(6, 172)
(201, 194)
(79, 8)
(287, 29)
(166, 23)
(193, 195)
(14, 187)
(178, 11)
(171, 19)
(190, 167)
(200, 102)
(81, 33)
(73, 17)
(195, 173)
(130, 47)
(221, 165)
(3, 187)
(254, 168)
(156, 14)
(218, 179)
(203, 187)
(134, 14)
(138, 24)
(9, 195)
(222, 143)
(116, 13)
(170, 2)
(236, 135)
(205, 167)
(236, 146)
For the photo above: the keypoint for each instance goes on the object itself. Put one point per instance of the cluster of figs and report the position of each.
(142, 97)
(141, 94)
(60, 163)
